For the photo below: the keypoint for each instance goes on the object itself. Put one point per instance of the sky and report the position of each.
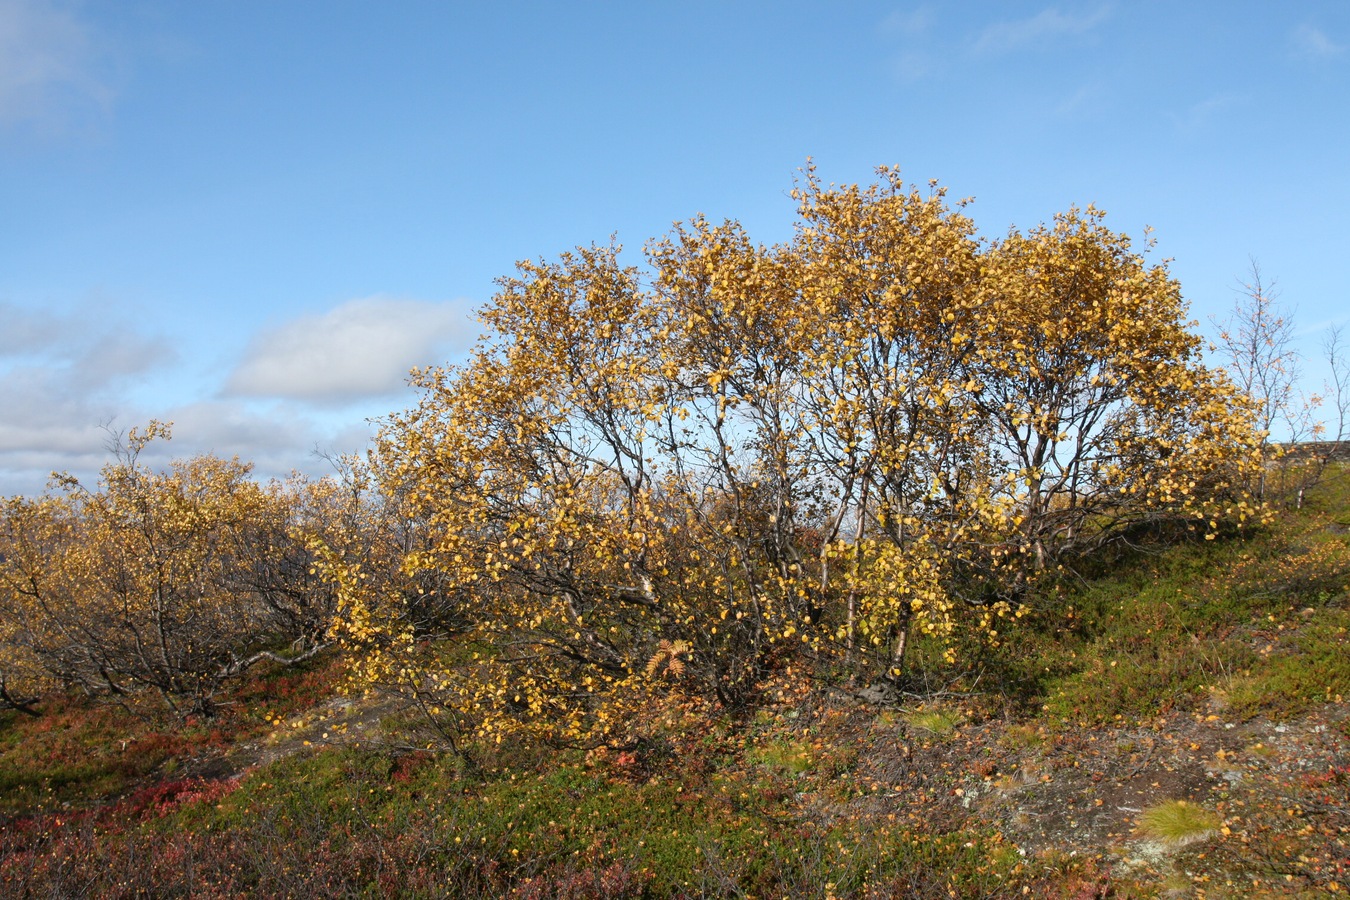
(253, 218)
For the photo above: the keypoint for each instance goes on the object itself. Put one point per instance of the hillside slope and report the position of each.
(1174, 725)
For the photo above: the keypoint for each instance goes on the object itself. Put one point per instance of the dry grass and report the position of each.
(1177, 823)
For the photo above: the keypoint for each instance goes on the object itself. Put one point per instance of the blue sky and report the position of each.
(252, 218)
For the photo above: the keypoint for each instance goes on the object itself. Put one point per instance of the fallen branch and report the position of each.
(238, 666)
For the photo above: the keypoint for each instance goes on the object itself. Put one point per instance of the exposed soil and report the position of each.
(1080, 792)
(341, 721)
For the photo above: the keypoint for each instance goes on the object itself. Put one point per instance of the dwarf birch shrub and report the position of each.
(882, 426)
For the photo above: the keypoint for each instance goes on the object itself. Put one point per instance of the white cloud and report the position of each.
(48, 65)
(68, 378)
(39, 410)
(62, 376)
(27, 331)
(1087, 97)
(44, 428)
(912, 65)
(120, 354)
(277, 439)
(91, 348)
(361, 349)
(912, 29)
(911, 22)
(1049, 24)
(48, 425)
(1200, 115)
(1310, 41)
(923, 53)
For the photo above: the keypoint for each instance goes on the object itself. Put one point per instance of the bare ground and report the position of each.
(1277, 789)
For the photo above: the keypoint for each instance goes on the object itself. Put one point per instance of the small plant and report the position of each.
(790, 756)
(939, 722)
(1177, 823)
(1261, 750)
(1025, 737)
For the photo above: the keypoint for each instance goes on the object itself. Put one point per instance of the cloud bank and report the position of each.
(69, 380)
(360, 350)
(62, 376)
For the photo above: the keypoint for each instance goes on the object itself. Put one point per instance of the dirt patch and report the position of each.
(1081, 792)
(342, 721)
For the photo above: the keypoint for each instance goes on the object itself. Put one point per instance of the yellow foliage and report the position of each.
(173, 581)
(697, 469)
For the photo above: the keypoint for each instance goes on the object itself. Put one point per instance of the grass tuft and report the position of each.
(939, 722)
(1177, 823)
